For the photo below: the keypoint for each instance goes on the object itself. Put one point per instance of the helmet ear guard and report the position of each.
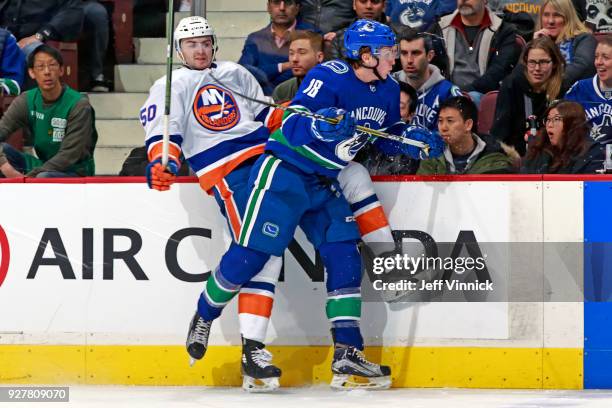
(192, 27)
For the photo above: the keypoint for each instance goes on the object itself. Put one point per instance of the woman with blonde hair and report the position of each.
(526, 93)
(563, 145)
(559, 21)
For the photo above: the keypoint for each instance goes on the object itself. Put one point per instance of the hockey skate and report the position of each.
(259, 375)
(197, 338)
(351, 370)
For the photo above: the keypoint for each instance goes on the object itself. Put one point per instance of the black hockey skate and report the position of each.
(259, 375)
(197, 338)
(351, 370)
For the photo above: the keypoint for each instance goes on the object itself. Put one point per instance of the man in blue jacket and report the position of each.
(265, 51)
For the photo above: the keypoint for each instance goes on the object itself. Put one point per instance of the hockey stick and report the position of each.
(170, 37)
(308, 114)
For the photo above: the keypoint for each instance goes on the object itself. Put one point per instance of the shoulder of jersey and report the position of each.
(582, 84)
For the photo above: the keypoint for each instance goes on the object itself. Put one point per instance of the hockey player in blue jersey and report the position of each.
(595, 94)
(294, 184)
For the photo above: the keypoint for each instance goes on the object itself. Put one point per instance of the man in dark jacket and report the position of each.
(327, 15)
(265, 51)
(482, 48)
(40, 20)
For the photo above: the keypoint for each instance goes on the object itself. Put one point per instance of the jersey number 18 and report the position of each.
(313, 87)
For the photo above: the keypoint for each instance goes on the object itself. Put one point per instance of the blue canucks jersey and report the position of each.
(598, 107)
(428, 107)
(333, 84)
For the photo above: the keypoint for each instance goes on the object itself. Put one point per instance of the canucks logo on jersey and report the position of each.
(215, 108)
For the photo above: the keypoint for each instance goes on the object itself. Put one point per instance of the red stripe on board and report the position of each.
(462, 178)
(5, 254)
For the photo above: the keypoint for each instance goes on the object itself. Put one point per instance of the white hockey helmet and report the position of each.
(191, 27)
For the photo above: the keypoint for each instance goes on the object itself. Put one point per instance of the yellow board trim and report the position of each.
(461, 367)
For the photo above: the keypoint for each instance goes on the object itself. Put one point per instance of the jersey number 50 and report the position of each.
(147, 114)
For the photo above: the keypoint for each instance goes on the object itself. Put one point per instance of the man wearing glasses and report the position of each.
(265, 51)
(60, 121)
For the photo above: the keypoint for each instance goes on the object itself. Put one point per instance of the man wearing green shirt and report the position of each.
(60, 121)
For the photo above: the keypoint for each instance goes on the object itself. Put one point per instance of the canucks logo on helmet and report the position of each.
(367, 33)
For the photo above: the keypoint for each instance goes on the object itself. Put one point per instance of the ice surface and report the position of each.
(321, 396)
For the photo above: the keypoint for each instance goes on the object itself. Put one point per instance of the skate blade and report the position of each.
(352, 382)
(192, 361)
(250, 384)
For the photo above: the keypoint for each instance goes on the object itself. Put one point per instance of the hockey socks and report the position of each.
(238, 265)
(343, 306)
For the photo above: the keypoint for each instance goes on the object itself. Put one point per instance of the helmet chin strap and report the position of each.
(374, 68)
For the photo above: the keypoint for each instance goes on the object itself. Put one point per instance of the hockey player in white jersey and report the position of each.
(220, 134)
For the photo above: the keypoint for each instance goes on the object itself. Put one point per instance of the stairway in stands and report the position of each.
(119, 129)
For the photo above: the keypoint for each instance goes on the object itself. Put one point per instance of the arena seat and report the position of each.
(520, 41)
(486, 113)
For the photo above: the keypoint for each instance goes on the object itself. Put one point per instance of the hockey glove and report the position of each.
(421, 134)
(160, 178)
(330, 132)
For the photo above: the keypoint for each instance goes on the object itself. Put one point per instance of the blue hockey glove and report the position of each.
(329, 132)
(160, 178)
(421, 134)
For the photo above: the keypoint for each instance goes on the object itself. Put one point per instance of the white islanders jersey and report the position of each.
(215, 129)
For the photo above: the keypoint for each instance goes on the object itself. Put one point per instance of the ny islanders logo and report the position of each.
(215, 108)
(4, 255)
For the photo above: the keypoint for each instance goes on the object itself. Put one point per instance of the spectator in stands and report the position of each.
(327, 15)
(595, 94)
(416, 53)
(381, 163)
(305, 51)
(409, 100)
(265, 51)
(418, 14)
(12, 64)
(35, 21)
(364, 9)
(481, 47)
(60, 120)
(95, 28)
(527, 92)
(564, 145)
(466, 152)
(558, 20)
(532, 7)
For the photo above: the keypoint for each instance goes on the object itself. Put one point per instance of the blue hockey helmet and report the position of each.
(367, 33)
